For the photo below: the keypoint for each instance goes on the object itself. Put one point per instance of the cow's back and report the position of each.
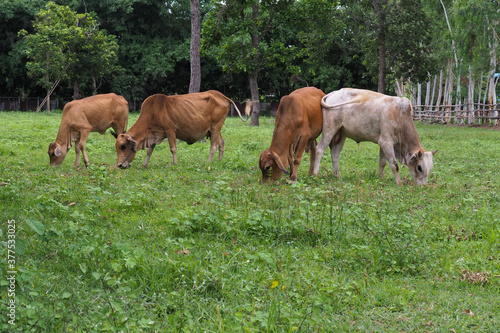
(362, 114)
(98, 111)
(190, 116)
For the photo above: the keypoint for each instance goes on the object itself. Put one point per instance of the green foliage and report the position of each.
(476, 28)
(206, 247)
(141, 47)
(403, 27)
(247, 42)
(49, 47)
(154, 44)
(16, 15)
(67, 45)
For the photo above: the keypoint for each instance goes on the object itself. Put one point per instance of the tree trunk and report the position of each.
(382, 69)
(492, 98)
(47, 98)
(76, 90)
(195, 81)
(254, 87)
(440, 95)
(48, 101)
(470, 118)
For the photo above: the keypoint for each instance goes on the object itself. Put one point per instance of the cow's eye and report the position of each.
(122, 147)
(268, 167)
(419, 168)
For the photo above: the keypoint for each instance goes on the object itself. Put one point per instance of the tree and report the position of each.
(154, 39)
(48, 48)
(246, 36)
(394, 32)
(16, 15)
(195, 81)
(327, 58)
(477, 26)
(94, 59)
(67, 45)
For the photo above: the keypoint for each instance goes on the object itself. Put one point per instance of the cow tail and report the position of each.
(248, 106)
(323, 104)
(336, 105)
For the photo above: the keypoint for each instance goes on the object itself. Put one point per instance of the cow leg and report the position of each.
(83, 140)
(80, 145)
(215, 142)
(325, 141)
(299, 150)
(381, 164)
(77, 154)
(213, 149)
(173, 146)
(388, 150)
(221, 147)
(311, 146)
(335, 149)
(148, 156)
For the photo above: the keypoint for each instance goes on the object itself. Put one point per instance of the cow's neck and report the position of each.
(409, 142)
(65, 138)
(280, 146)
(138, 136)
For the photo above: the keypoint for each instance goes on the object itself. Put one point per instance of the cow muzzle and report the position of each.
(123, 165)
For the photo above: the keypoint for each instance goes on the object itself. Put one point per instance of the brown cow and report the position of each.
(298, 124)
(188, 118)
(364, 115)
(80, 117)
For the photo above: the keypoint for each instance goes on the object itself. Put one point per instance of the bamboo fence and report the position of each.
(444, 102)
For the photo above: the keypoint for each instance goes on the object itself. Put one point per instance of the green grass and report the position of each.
(205, 247)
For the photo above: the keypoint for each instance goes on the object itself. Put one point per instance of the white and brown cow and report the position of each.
(188, 118)
(80, 117)
(298, 124)
(364, 115)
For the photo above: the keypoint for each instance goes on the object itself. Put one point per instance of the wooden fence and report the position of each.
(461, 114)
(476, 104)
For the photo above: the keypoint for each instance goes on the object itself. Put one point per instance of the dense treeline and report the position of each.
(274, 46)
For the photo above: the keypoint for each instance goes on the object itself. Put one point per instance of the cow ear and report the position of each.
(57, 151)
(434, 152)
(420, 154)
(413, 157)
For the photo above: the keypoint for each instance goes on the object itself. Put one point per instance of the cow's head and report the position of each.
(56, 154)
(271, 166)
(420, 166)
(125, 150)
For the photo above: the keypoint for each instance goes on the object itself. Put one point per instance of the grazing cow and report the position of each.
(298, 124)
(188, 118)
(80, 117)
(364, 115)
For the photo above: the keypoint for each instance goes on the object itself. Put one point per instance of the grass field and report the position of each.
(205, 247)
